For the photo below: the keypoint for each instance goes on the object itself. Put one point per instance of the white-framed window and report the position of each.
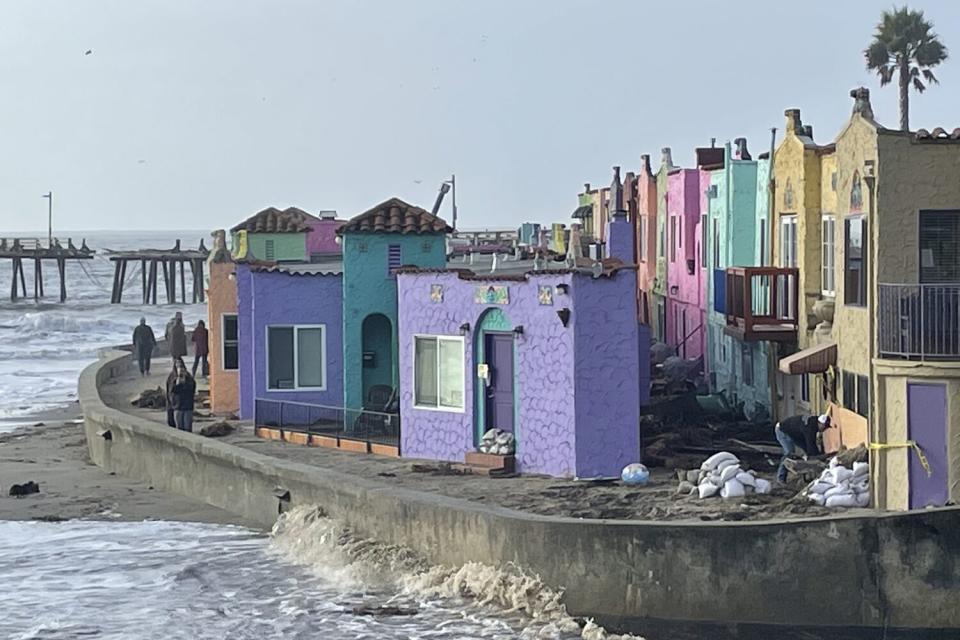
(296, 357)
(788, 241)
(438, 373)
(673, 238)
(703, 241)
(229, 342)
(716, 244)
(642, 238)
(828, 260)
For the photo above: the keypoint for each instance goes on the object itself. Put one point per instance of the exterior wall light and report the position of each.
(563, 288)
(518, 330)
(465, 328)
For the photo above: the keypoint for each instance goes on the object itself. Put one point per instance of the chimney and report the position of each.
(794, 124)
(713, 143)
(616, 195)
(861, 102)
(808, 130)
(586, 187)
(666, 158)
(645, 164)
(742, 152)
(327, 215)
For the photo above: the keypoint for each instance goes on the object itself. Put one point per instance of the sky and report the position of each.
(195, 115)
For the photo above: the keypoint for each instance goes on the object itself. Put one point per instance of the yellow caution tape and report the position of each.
(879, 446)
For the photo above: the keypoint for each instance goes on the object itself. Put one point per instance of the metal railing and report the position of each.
(919, 321)
(360, 425)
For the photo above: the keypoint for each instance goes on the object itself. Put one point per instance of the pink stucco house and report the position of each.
(686, 287)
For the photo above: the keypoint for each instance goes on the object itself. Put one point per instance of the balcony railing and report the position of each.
(359, 425)
(761, 303)
(919, 321)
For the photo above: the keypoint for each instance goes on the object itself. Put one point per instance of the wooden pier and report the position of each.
(19, 250)
(154, 261)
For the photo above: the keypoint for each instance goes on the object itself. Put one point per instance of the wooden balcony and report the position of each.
(760, 303)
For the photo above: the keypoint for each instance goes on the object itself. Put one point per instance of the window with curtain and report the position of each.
(295, 357)
(438, 372)
(828, 257)
(855, 261)
(230, 342)
(939, 247)
(788, 241)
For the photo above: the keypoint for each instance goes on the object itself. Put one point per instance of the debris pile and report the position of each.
(217, 429)
(498, 442)
(722, 474)
(151, 399)
(841, 486)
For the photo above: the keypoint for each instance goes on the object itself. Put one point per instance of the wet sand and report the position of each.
(533, 494)
(53, 453)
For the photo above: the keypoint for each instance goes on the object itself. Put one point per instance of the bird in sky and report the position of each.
(88, 52)
(417, 181)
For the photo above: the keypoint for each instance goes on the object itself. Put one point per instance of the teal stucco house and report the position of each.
(375, 244)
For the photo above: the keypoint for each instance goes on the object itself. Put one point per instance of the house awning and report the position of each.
(586, 211)
(816, 359)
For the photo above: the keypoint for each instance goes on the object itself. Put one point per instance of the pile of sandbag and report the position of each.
(722, 474)
(498, 442)
(840, 486)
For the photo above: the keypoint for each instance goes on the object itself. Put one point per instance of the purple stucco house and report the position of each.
(552, 356)
(290, 319)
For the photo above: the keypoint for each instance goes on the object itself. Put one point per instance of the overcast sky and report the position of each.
(194, 115)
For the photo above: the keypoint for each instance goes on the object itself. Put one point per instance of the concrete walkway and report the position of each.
(531, 494)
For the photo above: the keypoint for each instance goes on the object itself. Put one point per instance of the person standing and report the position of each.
(201, 349)
(171, 379)
(182, 393)
(799, 433)
(143, 343)
(176, 335)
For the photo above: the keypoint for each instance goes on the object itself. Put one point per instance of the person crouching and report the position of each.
(799, 433)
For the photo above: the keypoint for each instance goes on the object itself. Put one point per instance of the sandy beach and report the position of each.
(53, 453)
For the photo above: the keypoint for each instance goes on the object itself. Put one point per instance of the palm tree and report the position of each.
(905, 45)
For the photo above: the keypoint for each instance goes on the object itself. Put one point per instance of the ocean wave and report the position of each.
(305, 536)
(45, 322)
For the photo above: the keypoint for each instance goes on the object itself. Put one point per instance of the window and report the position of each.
(394, 258)
(295, 357)
(269, 250)
(805, 387)
(230, 342)
(763, 242)
(827, 261)
(788, 241)
(855, 261)
(856, 393)
(939, 246)
(746, 363)
(642, 238)
(703, 241)
(716, 244)
(673, 238)
(438, 372)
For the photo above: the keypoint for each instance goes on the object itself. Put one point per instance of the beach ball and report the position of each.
(635, 474)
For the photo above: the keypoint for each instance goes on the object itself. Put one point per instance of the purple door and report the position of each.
(499, 402)
(927, 426)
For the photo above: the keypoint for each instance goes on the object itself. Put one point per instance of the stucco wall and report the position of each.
(544, 386)
(284, 299)
(287, 247)
(368, 288)
(606, 374)
(221, 299)
(647, 207)
(323, 237)
(246, 373)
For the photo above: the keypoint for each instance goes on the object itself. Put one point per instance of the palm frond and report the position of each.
(929, 77)
(918, 85)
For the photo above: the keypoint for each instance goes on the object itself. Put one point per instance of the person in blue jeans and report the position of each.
(799, 432)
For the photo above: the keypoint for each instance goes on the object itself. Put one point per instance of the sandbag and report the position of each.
(713, 461)
(746, 479)
(732, 489)
(840, 474)
(845, 500)
(817, 498)
(860, 469)
(860, 487)
(694, 477)
(707, 489)
(819, 486)
(863, 499)
(729, 473)
(762, 486)
(727, 463)
(685, 487)
(836, 490)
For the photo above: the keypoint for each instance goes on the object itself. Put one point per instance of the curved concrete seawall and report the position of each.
(889, 570)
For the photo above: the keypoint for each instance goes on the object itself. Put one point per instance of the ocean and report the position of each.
(171, 580)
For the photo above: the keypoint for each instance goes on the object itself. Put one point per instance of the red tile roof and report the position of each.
(938, 134)
(395, 216)
(273, 220)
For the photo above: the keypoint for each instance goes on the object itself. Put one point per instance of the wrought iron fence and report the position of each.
(919, 321)
(361, 425)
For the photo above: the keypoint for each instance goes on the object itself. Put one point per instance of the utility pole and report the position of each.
(453, 199)
(49, 196)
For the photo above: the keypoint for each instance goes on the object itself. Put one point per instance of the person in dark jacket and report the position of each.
(143, 343)
(176, 335)
(201, 349)
(799, 432)
(182, 392)
(171, 379)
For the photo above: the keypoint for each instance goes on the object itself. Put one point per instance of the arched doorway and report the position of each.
(496, 395)
(377, 345)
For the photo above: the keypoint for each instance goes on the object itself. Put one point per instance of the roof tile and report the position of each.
(395, 216)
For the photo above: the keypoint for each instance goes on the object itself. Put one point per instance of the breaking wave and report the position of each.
(306, 536)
